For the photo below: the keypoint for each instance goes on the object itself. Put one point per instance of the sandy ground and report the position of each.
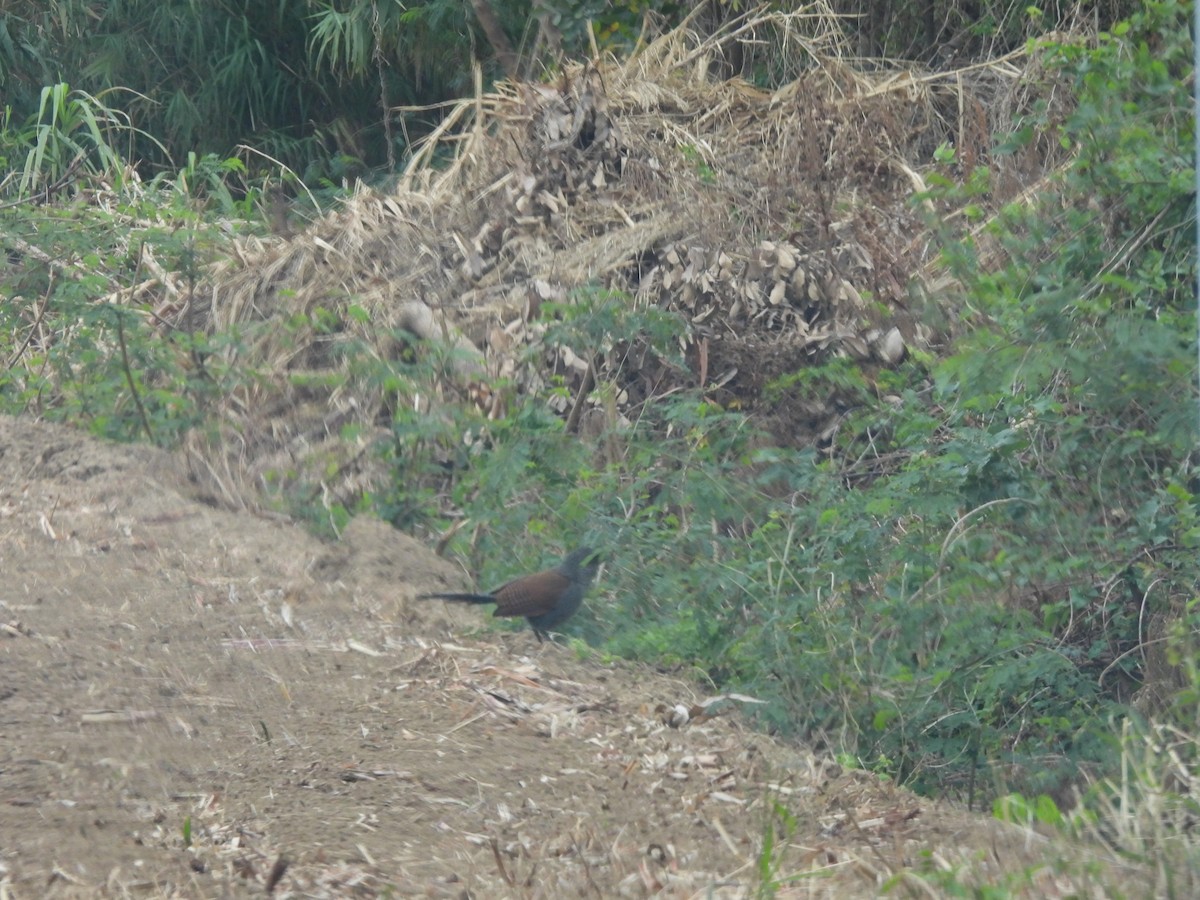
(201, 703)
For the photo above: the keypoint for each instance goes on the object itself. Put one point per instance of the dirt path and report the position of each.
(191, 698)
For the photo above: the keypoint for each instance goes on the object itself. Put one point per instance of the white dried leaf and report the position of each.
(727, 798)
(741, 698)
(725, 379)
(890, 347)
(475, 265)
(857, 346)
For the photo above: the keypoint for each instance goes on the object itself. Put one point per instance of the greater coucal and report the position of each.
(544, 598)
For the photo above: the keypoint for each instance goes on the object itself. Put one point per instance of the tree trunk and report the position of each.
(490, 24)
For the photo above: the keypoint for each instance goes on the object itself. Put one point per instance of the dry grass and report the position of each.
(778, 224)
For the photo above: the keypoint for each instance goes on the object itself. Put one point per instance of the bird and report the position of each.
(545, 599)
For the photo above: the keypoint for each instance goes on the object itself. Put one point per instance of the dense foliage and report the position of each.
(331, 88)
(976, 579)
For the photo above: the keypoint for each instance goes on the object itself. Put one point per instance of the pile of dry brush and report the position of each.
(780, 225)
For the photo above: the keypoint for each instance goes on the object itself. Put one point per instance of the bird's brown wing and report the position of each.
(532, 595)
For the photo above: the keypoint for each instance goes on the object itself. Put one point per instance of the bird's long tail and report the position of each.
(461, 598)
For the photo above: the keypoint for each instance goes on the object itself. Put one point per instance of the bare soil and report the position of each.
(200, 703)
